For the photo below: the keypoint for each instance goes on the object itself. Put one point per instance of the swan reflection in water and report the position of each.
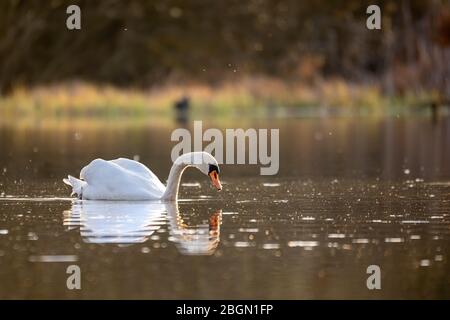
(113, 222)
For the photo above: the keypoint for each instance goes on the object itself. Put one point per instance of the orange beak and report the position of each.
(215, 180)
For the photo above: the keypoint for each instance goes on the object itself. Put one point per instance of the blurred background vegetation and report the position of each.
(137, 57)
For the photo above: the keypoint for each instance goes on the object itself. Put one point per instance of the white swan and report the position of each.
(125, 179)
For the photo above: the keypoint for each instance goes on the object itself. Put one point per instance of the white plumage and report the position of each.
(125, 179)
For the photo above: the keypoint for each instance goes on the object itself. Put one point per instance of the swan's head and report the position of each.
(213, 173)
(208, 165)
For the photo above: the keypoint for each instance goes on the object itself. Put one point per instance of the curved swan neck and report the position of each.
(173, 182)
(200, 160)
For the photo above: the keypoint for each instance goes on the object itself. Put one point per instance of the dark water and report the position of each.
(350, 193)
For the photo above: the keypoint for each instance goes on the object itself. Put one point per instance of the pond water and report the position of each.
(351, 192)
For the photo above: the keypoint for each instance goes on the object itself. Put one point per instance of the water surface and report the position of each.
(350, 193)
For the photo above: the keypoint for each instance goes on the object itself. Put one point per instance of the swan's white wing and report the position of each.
(108, 180)
(138, 168)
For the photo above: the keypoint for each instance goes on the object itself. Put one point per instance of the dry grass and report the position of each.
(250, 96)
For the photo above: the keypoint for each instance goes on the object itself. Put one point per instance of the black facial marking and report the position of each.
(213, 167)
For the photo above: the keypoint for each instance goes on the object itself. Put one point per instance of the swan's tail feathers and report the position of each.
(77, 186)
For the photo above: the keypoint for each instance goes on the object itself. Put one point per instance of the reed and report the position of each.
(245, 96)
